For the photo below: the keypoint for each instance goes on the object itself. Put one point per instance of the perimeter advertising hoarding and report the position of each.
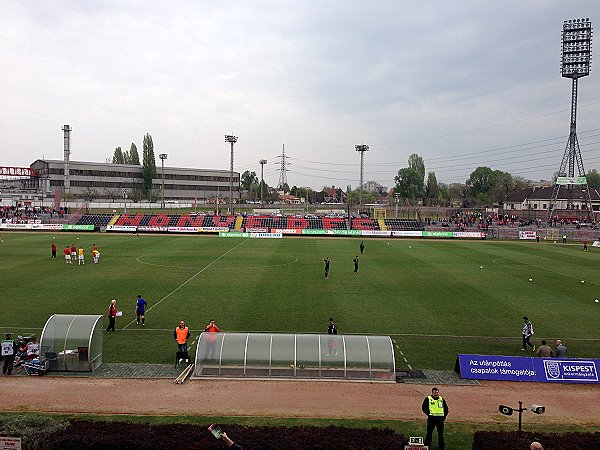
(527, 234)
(519, 368)
(76, 227)
(239, 234)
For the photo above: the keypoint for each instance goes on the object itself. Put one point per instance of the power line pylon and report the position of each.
(282, 169)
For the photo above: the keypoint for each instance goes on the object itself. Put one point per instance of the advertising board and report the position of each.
(519, 368)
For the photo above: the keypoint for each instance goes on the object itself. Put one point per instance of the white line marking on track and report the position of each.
(189, 279)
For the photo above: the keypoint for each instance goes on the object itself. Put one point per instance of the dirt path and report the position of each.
(564, 403)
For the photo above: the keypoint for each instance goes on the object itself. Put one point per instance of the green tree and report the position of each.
(432, 189)
(416, 162)
(408, 183)
(134, 155)
(593, 179)
(502, 187)
(118, 156)
(444, 194)
(149, 165)
(481, 181)
(248, 180)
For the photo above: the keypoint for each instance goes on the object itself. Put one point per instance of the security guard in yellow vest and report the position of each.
(436, 409)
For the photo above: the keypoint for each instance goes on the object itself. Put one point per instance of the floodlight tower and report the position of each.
(361, 149)
(576, 58)
(162, 157)
(262, 163)
(67, 152)
(232, 140)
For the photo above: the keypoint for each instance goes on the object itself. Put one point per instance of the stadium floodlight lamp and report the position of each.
(576, 48)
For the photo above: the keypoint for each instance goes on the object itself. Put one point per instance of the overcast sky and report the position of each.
(461, 83)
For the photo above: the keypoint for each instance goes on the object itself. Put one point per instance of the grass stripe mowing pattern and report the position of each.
(409, 287)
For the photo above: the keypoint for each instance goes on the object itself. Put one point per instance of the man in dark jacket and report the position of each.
(436, 409)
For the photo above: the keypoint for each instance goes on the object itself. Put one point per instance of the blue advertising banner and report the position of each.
(520, 368)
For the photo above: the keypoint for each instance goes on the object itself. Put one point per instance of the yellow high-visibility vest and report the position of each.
(436, 406)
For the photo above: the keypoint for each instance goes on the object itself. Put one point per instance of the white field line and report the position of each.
(188, 280)
(448, 336)
(400, 351)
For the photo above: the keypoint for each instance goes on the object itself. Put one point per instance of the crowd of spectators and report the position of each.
(28, 214)
(461, 220)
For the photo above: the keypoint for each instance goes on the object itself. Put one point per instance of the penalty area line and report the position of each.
(188, 280)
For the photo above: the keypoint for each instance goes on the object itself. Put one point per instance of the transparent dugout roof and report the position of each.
(72, 343)
(309, 356)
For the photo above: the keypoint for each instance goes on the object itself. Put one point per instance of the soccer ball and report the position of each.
(596, 301)
(582, 281)
(530, 280)
(481, 267)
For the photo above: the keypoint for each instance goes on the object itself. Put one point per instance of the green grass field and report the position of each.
(431, 296)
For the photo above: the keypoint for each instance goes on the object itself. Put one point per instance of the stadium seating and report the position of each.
(403, 225)
(251, 222)
(98, 220)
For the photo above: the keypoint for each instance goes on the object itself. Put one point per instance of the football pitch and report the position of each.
(434, 298)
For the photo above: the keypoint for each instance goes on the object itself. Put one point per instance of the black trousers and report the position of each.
(526, 342)
(7, 367)
(435, 422)
(111, 324)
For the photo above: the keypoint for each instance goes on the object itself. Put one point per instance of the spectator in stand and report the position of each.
(545, 351)
(561, 350)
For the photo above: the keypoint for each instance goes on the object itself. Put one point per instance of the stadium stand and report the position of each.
(403, 225)
(98, 220)
(253, 222)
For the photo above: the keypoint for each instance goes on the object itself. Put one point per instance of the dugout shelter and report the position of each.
(72, 343)
(295, 356)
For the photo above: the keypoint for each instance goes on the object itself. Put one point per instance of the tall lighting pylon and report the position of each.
(162, 157)
(576, 58)
(232, 140)
(262, 163)
(361, 149)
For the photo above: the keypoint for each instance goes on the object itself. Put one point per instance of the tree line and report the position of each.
(148, 164)
(483, 187)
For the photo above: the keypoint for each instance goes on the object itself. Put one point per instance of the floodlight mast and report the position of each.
(262, 163)
(232, 140)
(361, 149)
(162, 157)
(576, 59)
